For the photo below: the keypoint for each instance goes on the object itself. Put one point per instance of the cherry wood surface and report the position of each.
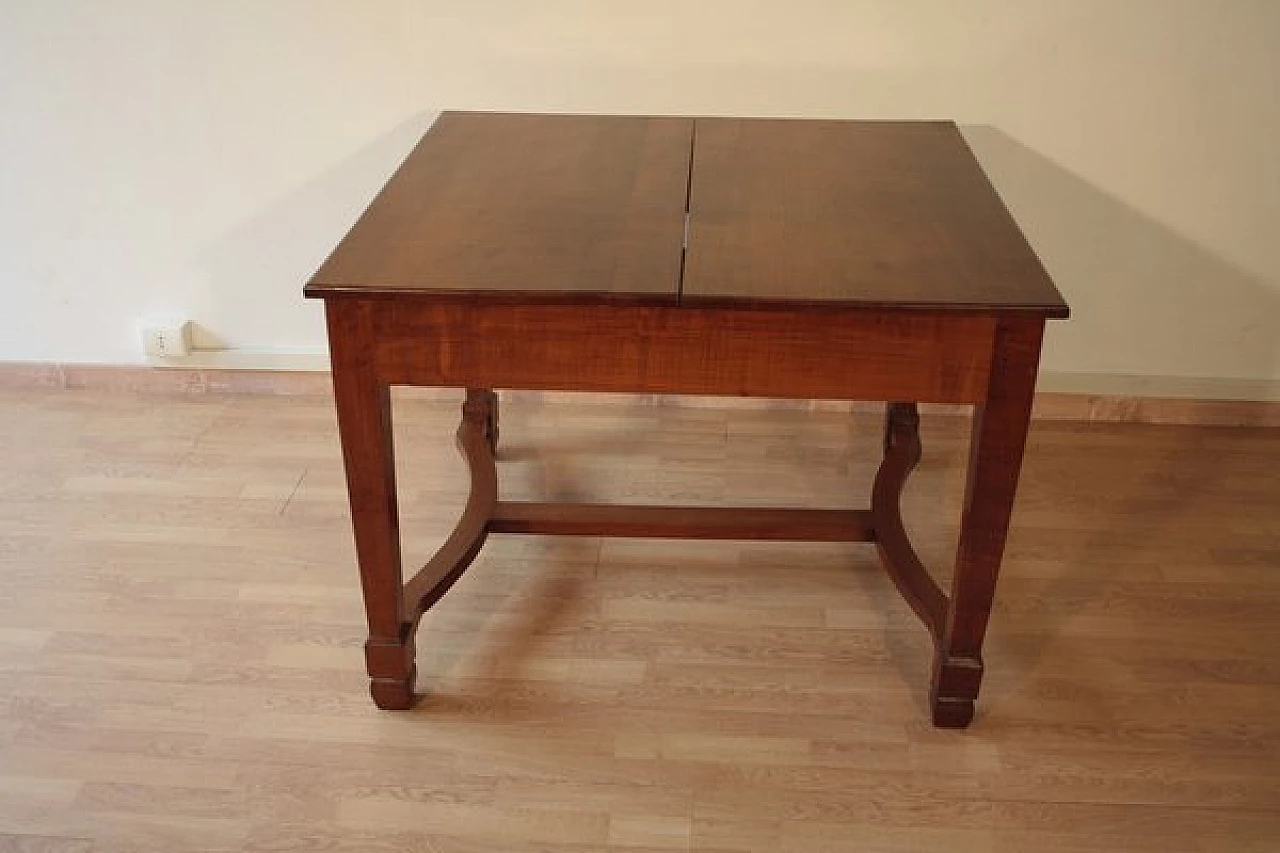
(830, 260)
(363, 402)
(888, 214)
(683, 522)
(901, 455)
(839, 354)
(996, 445)
(585, 207)
(573, 208)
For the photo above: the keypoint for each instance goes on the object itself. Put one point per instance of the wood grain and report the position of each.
(476, 437)
(363, 402)
(683, 522)
(855, 213)
(563, 208)
(898, 556)
(180, 640)
(680, 350)
(995, 459)
(491, 203)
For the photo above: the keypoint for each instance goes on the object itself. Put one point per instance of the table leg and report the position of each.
(998, 437)
(489, 400)
(364, 424)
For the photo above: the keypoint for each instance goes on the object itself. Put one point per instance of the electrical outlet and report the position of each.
(165, 338)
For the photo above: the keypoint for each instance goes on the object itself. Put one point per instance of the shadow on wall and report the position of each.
(1141, 295)
(256, 272)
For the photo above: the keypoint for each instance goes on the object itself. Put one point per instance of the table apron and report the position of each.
(854, 354)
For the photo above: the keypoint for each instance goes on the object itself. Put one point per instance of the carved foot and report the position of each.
(955, 687)
(392, 670)
(391, 694)
(952, 713)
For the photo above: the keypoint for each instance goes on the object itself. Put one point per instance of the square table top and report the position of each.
(705, 211)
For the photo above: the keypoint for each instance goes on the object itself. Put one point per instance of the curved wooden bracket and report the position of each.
(477, 439)
(902, 453)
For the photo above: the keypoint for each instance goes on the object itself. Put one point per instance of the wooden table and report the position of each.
(748, 257)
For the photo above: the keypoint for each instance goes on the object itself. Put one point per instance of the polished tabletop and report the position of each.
(713, 211)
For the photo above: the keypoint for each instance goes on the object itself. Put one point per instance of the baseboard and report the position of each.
(1163, 387)
(307, 377)
(190, 380)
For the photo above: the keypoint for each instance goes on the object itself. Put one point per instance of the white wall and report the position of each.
(201, 157)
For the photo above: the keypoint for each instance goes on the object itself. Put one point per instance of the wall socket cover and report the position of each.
(165, 337)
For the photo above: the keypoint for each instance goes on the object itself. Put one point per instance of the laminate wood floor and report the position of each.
(181, 629)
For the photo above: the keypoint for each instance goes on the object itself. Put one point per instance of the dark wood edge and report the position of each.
(1055, 312)
(902, 453)
(317, 290)
(587, 298)
(457, 553)
(688, 117)
(683, 522)
(1059, 311)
